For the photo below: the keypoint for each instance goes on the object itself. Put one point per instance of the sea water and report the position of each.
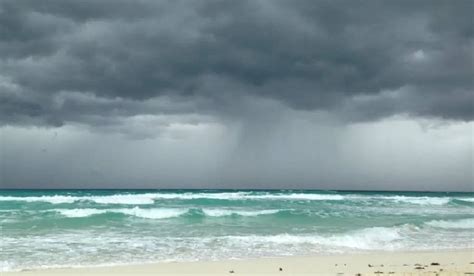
(71, 228)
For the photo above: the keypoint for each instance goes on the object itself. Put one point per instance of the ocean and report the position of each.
(73, 228)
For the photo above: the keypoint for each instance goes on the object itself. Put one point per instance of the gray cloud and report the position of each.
(253, 93)
(88, 61)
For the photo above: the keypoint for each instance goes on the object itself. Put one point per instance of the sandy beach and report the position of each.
(407, 263)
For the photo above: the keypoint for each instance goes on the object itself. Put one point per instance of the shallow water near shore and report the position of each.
(73, 228)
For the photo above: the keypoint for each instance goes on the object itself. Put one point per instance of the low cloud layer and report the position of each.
(60, 60)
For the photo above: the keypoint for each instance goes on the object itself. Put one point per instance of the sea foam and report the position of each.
(424, 200)
(80, 213)
(228, 212)
(130, 199)
(467, 199)
(151, 198)
(102, 227)
(161, 213)
(55, 199)
(453, 224)
(374, 238)
(154, 213)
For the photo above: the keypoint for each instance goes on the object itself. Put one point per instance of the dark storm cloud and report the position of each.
(92, 61)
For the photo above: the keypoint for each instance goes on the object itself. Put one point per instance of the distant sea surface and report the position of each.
(71, 228)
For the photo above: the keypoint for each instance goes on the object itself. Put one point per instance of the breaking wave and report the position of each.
(374, 238)
(80, 213)
(227, 212)
(151, 198)
(425, 200)
(163, 213)
(452, 224)
(56, 199)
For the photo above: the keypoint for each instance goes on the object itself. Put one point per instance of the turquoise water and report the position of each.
(72, 228)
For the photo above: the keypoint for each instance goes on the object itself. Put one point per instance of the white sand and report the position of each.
(422, 263)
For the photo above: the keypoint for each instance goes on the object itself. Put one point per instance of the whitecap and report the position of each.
(468, 199)
(80, 213)
(130, 199)
(452, 224)
(149, 198)
(160, 213)
(229, 212)
(297, 196)
(56, 199)
(155, 213)
(425, 200)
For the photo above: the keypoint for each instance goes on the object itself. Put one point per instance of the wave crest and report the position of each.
(452, 224)
(374, 238)
(150, 198)
(227, 212)
(80, 213)
(162, 213)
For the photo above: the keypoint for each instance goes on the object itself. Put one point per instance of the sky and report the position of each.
(293, 94)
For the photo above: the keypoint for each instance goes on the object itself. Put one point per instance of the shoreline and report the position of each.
(444, 262)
